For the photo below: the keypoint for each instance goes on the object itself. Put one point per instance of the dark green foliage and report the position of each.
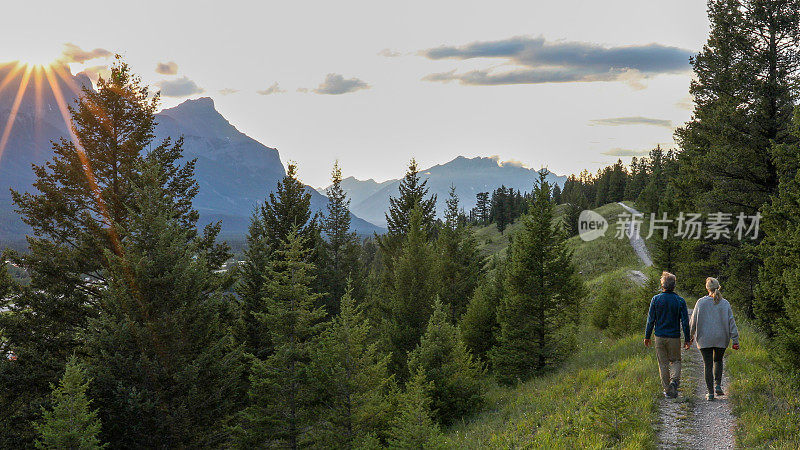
(75, 214)
(280, 413)
(664, 244)
(543, 293)
(286, 209)
(164, 366)
(482, 209)
(479, 325)
(746, 77)
(70, 423)
(355, 385)
(777, 304)
(412, 194)
(444, 359)
(414, 426)
(620, 307)
(413, 285)
(341, 247)
(557, 194)
(460, 266)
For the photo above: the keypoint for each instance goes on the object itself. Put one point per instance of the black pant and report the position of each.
(712, 358)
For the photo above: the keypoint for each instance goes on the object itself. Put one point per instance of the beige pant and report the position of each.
(668, 353)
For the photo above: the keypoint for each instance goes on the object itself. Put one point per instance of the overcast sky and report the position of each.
(566, 84)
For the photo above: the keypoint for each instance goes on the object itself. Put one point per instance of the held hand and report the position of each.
(647, 343)
(736, 346)
(687, 344)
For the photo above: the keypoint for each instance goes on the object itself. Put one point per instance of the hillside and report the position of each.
(604, 395)
(607, 394)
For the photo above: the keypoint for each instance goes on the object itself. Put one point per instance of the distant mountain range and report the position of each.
(234, 171)
(370, 199)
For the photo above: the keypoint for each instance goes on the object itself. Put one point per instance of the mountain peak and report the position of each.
(194, 106)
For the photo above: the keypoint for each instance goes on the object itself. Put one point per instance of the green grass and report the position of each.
(765, 401)
(603, 397)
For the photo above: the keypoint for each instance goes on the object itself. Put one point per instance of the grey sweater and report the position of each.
(712, 325)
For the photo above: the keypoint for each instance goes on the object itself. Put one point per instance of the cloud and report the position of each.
(336, 84)
(274, 89)
(638, 120)
(686, 102)
(95, 72)
(539, 61)
(167, 68)
(74, 54)
(389, 53)
(625, 152)
(228, 91)
(508, 163)
(180, 87)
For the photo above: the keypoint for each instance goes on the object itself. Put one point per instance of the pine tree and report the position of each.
(355, 381)
(70, 423)
(460, 263)
(281, 394)
(342, 248)
(285, 209)
(414, 426)
(542, 297)
(479, 325)
(777, 305)
(746, 78)
(81, 197)
(557, 194)
(164, 366)
(446, 362)
(483, 207)
(412, 289)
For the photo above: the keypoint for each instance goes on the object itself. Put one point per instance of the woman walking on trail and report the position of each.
(713, 327)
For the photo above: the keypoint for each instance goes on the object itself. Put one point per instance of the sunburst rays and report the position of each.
(55, 76)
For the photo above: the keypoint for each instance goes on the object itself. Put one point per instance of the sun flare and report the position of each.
(40, 56)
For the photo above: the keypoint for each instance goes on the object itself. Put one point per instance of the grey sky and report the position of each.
(568, 84)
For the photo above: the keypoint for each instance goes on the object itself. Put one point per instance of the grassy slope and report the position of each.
(766, 403)
(604, 395)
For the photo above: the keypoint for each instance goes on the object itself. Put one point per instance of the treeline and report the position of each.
(129, 335)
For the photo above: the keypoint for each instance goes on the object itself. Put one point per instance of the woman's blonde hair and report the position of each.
(713, 286)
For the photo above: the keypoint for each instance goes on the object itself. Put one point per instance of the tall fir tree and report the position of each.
(280, 411)
(444, 359)
(285, 209)
(165, 368)
(777, 306)
(542, 298)
(413, 193)
(746, 78)
(413, 285)
(459, 260)
(71, 423)
(342, 246)
(356, 388)
(80, 198)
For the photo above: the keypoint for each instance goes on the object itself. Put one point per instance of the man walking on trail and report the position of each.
(668, 314)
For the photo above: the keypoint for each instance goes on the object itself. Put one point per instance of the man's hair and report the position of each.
(667, 281)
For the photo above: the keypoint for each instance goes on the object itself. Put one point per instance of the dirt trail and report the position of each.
(689, 421)
(636, 240)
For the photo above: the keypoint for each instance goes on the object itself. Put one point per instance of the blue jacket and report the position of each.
(667, 314)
